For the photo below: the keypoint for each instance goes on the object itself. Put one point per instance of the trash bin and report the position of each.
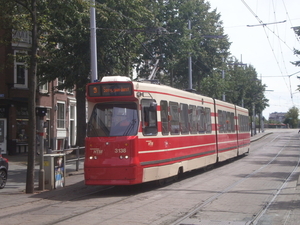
(55, 170)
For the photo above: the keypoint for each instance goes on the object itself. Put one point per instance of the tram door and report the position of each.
(3, 136)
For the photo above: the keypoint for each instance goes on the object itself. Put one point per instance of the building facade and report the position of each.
(278, 117)
(60, 105)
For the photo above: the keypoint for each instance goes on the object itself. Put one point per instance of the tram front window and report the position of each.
(117, 119)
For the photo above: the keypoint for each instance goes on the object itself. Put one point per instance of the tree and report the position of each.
(297, 51)
(65, 52)
(291, 117)
(21, 15)
(244, 88)
(172, 45)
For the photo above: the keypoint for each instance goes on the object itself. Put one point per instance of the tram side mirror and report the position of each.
(153, 106)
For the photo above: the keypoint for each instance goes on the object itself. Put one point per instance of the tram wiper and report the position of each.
(130, 127)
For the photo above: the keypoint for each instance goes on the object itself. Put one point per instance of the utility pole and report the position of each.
(223, 77)
(94, 69)
(190, 63)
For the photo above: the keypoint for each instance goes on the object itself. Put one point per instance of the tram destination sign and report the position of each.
(110, 89)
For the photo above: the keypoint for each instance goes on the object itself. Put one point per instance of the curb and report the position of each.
(261, 136)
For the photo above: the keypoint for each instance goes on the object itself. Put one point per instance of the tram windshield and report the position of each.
(113, 119)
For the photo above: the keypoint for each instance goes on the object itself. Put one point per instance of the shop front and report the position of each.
(22, 128)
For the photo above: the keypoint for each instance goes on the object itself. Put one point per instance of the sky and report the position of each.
(268, 48)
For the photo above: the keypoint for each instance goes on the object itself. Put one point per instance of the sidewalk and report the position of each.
(17, 172)
(260, 135)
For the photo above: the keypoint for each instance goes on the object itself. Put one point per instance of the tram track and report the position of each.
(262, 211)
(63, 220)
(30, 210)
(212, 198)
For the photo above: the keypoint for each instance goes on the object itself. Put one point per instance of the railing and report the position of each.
(77, 157)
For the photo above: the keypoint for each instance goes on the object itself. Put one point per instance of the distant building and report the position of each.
(277, 117)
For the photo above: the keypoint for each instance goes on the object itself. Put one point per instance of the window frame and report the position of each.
(149, 117)
(18, 64)
(61, 115)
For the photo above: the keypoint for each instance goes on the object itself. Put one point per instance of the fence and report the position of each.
(70, 158)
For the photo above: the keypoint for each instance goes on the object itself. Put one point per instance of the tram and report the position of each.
(141, 131)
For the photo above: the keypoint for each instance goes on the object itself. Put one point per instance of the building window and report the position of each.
(44, 88)
(61, 115)
(72, 124)
(20, 70)
(60, 81)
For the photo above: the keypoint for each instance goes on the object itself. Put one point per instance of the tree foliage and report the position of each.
(291, 117)
(297, 51)
(22, 15)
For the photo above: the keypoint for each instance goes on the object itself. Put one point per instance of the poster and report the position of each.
(59, 167)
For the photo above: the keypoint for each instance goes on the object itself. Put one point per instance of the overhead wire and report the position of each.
(280, 40)
(289, 19)
(281, 52)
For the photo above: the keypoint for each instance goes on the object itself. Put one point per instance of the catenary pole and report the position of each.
(190, 63)
(94, 70)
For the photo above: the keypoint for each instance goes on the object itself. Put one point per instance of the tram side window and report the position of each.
(243, 123)
(221, 122)
(184, 123)
(247, 128)
(149, 117)
(228, 122)
(164, 114)
(232, 122)
(193, 119)
(201, 120)
(208, 120)
(174, 117)
(225, 122)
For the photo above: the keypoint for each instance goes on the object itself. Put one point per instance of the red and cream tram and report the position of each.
(139, 132)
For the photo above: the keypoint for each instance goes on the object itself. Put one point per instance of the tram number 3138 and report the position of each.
(120, 150)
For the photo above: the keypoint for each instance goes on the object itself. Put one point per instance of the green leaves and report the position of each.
(291, 117)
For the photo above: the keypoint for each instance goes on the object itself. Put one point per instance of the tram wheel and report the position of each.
(178, 176)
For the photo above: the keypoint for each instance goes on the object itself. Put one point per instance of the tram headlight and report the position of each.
(124, 157)
(93, 157)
